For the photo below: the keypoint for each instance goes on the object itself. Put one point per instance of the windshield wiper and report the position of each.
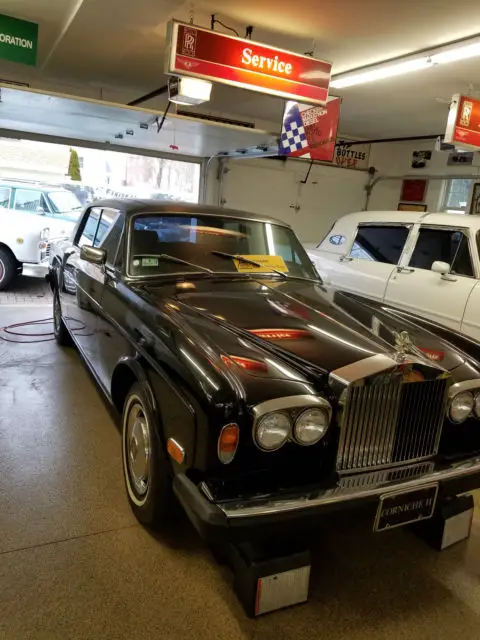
(285, 276)
(169, 258)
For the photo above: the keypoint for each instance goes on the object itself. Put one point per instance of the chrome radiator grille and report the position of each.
(392, 423)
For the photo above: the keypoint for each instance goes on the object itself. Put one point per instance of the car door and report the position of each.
(111, 344)
(440, 297)
(81, 283)
(372, 257)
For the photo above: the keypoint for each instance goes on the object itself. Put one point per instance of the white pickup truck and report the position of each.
(25, 243)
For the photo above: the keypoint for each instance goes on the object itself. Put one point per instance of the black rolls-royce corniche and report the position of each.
(257, 397)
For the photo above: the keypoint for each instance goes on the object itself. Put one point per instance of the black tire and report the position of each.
(60, 331)
(147, 478)
(8, 268)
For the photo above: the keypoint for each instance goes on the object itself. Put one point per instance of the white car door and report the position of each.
(370, 260)
(442, 297)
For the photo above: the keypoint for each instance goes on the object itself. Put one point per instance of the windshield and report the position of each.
(196, 238)
(64, 201)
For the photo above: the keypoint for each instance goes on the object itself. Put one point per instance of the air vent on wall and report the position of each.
(202, 116)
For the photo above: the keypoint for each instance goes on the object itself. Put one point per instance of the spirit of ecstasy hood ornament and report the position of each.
(403, 345)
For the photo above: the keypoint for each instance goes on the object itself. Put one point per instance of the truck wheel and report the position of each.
(145, 467)
(60, 331)
(8, 268)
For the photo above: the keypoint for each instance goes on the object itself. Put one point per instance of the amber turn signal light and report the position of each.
(175, 451)
(228, 443)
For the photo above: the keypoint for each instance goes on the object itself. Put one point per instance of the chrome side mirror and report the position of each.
(94, 255)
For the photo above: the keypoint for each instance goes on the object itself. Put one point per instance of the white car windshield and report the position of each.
(64, 201)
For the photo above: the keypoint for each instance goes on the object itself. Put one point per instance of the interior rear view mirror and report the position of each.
(94, 255)
(441, 267)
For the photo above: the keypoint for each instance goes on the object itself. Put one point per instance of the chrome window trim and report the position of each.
(467, 231)
(393, 223)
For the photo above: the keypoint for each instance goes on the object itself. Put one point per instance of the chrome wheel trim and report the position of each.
(137, 450)
(2, 270)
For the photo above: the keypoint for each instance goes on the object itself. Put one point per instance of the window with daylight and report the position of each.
(456, 195)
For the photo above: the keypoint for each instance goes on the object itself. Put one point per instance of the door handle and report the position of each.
(345, 258)
(405, 270)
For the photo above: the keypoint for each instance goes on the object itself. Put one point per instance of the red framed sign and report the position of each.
(463, 125)
(309, 131)
(413, 190)
(202, 53)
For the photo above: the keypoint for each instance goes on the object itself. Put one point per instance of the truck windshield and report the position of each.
(196, 238)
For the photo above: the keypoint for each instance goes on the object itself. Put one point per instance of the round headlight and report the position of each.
(461, 406)
(476, 408)
(310, 426)
(273, 430)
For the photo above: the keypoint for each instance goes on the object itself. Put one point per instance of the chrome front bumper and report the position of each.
(35, 269)
(358, 487)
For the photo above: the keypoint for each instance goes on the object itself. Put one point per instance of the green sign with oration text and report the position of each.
(18, 40)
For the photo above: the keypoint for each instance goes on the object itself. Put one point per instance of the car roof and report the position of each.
(132, 207)
(27, 184)
(411, 217)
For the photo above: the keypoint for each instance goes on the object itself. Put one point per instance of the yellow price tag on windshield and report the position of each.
(267, 264)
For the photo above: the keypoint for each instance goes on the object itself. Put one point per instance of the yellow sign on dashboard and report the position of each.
(267, 263)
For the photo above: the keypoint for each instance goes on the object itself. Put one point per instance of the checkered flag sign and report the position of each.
(293, 138)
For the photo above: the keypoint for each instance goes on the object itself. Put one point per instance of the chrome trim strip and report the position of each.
(362, 369)
(343, 494)
(290, 402)
(466, 385)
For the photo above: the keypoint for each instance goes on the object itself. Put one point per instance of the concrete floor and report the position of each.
(75, 564)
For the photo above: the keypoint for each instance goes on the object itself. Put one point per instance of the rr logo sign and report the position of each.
(189, 43)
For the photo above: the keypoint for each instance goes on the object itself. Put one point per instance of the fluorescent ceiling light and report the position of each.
(439, 55)
(188, 91)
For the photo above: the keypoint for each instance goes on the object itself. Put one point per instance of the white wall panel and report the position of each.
(275, 188)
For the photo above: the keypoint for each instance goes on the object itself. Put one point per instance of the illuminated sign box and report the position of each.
(206, 54)
(463, 125)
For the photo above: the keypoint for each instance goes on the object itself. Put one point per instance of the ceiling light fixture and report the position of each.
(189, 91)
(414, 62)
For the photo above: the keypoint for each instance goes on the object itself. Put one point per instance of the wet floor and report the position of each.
(74, 563)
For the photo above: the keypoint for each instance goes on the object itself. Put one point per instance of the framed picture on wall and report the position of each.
(474, 208)
(413, 190)
(410, 206)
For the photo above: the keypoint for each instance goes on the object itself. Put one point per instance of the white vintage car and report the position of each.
(25, 239)
(426, 263)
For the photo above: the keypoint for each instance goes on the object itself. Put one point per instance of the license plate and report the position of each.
(404, 507)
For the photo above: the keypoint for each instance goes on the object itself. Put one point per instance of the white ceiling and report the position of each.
(121, 43)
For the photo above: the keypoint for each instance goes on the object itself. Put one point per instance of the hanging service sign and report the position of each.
(18, 40)
(202, 53)
(463, 125)
(309, 131)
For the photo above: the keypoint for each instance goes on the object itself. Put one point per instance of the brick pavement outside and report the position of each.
(26, 291)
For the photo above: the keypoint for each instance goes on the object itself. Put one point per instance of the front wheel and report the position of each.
(8, 268)
(60, 331)
(145, 467)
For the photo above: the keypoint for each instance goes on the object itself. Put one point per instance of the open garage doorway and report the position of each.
(44, 187)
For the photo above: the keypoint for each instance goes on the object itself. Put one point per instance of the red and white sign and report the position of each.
(309, 131)
(206, 54)
(463, 125)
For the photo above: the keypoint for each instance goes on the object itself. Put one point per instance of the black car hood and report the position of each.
(303, 321)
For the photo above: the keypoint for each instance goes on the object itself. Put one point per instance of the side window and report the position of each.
(109, 234)
(446, 245)
(5, 197)
(88, 230)
(30, 200)
(380, 243)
